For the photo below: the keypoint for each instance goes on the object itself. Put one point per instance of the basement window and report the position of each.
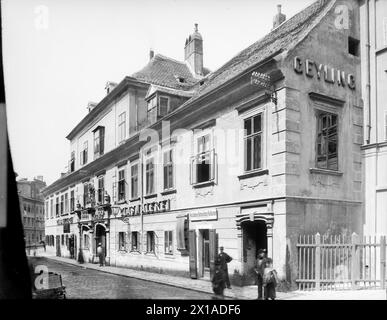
(353, 46)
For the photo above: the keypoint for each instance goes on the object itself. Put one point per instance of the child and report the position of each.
(218, 281)
(270, 280)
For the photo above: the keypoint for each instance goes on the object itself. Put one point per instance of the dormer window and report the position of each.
(163, 106)
(158, 106)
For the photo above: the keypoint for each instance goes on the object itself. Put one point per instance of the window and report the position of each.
(163, 106)
(152, 110)
(327, 144)
(122, 127)
(135, 241)
(62, 240)
(52, 208)
(72, 201)
(121, 185)
(121, 241)
(353, 46)
(57, 207)
(168, 170)
(203, 164)
(99, 139)
(83, 155)
(66, 202)
(134, 181)
(150, 241)
(149, 176)
(85, 194)
(168, 248)
(86, 241)
(253, 142)
(72, 162)
(101, 190)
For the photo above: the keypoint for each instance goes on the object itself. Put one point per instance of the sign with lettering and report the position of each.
(204, 215)
(261, 79)
(146, 208)
(99, 214)
(85, 215)
(320, 71)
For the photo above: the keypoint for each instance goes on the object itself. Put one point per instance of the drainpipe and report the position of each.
(368, 76)
(142, 201)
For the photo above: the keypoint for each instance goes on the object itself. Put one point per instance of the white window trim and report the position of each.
(131, 164)
(159, 104)
(168, 149)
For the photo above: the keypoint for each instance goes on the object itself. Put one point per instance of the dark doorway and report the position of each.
(254, 238)
(206, 250)
(100, 237)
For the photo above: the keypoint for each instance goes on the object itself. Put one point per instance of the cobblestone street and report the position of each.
(84, 283)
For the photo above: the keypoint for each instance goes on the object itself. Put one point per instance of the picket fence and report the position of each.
(341, 262)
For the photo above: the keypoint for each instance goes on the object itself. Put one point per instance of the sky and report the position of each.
(58, 56)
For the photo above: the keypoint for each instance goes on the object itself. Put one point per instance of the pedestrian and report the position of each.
(259, 269)
(224, 259)
(100, 254)
(218, 281)
(270, 280)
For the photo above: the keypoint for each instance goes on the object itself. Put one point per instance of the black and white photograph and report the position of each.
(191, 150)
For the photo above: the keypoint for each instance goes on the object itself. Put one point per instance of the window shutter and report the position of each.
(101, 140)
(212, 165)
(193, 171)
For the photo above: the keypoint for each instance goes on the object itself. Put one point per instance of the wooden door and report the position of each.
(213, 250)
(193, 270)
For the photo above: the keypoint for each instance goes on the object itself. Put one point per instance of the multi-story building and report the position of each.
(374, 81)
(176, 160)
(31, 202)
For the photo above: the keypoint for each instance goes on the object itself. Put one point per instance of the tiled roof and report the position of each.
(164, 71)
(280, 38)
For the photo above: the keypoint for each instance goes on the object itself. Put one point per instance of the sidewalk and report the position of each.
(240, 293)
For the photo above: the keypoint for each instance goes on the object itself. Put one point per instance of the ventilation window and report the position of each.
(201, 83)
(353, 46)
(181, 80)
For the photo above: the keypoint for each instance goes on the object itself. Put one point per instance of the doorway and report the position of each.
(206, 251)
(100, 237)
(254, 238)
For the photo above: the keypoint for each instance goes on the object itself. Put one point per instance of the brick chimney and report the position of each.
(279, 17)
(193, 52)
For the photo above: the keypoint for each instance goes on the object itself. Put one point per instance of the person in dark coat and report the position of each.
(259, 269)
(224, 258)
(218, 281)
(270, 280)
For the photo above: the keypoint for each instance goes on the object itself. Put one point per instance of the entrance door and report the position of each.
(58, 253)
(100, 237)
(254, 238)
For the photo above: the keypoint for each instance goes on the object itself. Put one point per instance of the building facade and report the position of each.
(374, 81)
(176, 161)
(31, 202)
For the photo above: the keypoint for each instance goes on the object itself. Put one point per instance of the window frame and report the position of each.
(168, 165)
(151, 242)
(122, 127)
(122, 241)
(203, 154)
(99, 179)
(168, 242)
(159, 114)
(121, 183)
(136, 195)
(72, 200)
(246, 137)
(99, 141)
(137, 242)
(66, 202)
(148, 190)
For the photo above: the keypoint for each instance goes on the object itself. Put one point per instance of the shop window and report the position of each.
(99, 141)
(168, 169)
(101, 189)
(134, 181)
(86, 241)
(122, 127)
(121, 185)
(121, 241)
(150, 242)
(353, 46)
(135, 241)
(327, 141)
(168, 243)
(67, 241)
(253, 142)
(83, 154)
(149, 176)
(203, 165)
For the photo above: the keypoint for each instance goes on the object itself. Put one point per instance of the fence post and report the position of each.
(382, 261)
(354, 262)
(317, 260)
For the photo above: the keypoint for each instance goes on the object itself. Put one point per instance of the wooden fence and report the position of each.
(340, 262)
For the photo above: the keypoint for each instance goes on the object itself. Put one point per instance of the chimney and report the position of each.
(91, 105)
(193, 52)
(110, 86)
(279, 17)
(40, 178)
(151, 54)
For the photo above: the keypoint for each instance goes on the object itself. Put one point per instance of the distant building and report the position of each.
(264, 149)
(374, 84)
(32, 208)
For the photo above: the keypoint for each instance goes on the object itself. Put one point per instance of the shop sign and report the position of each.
(99, 214)
(320, 71)
(261, 79)
(147, 208)
(204, 215)
(63, 221)
(85, 215)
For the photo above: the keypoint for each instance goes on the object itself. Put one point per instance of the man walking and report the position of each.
(224, 258)
(259, 269)
(100, 254)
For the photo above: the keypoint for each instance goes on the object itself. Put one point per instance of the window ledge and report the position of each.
(150, 253)
(169, 191)
(121, 202)
(326, 171)
(135, 251)
(253, 174)
(135, 199)
(148, 196)
(122, 251)
(204, 184)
